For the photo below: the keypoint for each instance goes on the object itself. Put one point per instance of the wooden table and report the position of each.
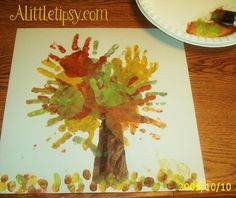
(212, 75)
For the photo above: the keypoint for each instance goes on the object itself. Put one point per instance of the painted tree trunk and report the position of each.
(112, 159)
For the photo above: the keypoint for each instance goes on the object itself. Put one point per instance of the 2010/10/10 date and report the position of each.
(213, 187)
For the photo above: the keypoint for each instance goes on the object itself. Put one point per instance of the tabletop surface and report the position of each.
(212, 75)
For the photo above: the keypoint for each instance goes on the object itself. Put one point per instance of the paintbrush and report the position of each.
(224, 17)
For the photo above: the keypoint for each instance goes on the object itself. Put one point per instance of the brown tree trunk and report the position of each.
(112, 159)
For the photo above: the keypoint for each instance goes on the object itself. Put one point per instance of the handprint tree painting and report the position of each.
(85, 92)
(107, 113)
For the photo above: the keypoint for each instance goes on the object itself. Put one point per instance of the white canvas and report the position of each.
(25, 146)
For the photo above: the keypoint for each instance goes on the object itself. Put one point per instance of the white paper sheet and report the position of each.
(26, 142)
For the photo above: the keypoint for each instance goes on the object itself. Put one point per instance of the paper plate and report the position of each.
(172, 17)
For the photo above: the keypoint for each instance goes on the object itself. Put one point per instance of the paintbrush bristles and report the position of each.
(224, 17)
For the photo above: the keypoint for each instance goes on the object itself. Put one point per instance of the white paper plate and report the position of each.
(172, 17)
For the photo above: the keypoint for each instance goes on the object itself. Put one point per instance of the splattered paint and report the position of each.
(102, 107)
